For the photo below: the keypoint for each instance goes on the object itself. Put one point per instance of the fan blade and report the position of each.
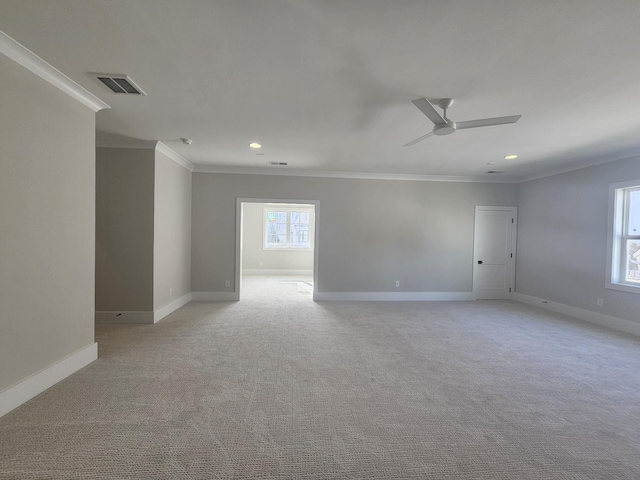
(487, 122)
(429, 110)
(419, 139)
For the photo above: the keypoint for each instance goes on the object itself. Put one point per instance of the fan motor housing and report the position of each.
(445, 128)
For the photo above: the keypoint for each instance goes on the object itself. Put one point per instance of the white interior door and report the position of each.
(494, 252)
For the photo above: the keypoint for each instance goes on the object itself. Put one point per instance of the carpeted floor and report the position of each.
(277, 386)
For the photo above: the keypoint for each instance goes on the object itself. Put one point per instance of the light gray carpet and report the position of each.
(268, 388)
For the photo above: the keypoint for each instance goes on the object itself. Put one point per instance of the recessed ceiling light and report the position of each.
(186, 141)
(510, 157)
(255, 145)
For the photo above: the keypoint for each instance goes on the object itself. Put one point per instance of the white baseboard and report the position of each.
(272, 271)
(615, 323)
(214, 297)
(124, 317)
(37, 383)
(171, 307)
(393, 296)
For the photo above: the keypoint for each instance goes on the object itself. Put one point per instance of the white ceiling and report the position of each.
(326, 85)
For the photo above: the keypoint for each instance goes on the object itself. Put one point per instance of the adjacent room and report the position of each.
(276, 249)
(301, 239)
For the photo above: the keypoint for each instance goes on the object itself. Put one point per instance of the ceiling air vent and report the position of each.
(278, 164)
(120, 84)
(494, 171)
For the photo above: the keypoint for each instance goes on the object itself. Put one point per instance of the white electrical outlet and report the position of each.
(260, 264)
(171, 291)
(397, 283)
(227, 283)
(600, 302)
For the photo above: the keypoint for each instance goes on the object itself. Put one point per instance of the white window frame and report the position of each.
(618, 235)
(288, 208)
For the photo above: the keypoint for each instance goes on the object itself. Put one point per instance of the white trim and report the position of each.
(131, 143)
(393, 296)
(238, 248)
(356, 175)
(316, 248)
(176, 157)
(214, 297)
(592, 163)
(150, 144)
(614, 232)
(124, 317)
(276, 271)
(612, 214)
(29, 60)
(170, 307)
(37, 383)
(615, 323)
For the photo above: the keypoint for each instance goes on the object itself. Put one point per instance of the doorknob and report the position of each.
(479, 262)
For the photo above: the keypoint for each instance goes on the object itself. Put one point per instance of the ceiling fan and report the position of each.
(444, 126)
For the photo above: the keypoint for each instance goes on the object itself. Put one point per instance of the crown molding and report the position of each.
(150, 144)
(176, 157)
(29, 60)
(278, 171)
(132, 143)
(593, 163)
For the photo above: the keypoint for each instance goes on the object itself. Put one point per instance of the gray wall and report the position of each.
(562, 239)
(253, 242)
(47, 217)
(124, 229)
(371, 233)
(172, 227)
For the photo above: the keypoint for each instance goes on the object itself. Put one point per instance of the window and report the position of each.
(288, 228)
(624, 244)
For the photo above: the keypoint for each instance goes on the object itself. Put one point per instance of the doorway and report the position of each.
(276, 247)
(494, 252)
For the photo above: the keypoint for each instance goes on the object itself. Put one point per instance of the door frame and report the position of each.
(512, 268)
(238, 252)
